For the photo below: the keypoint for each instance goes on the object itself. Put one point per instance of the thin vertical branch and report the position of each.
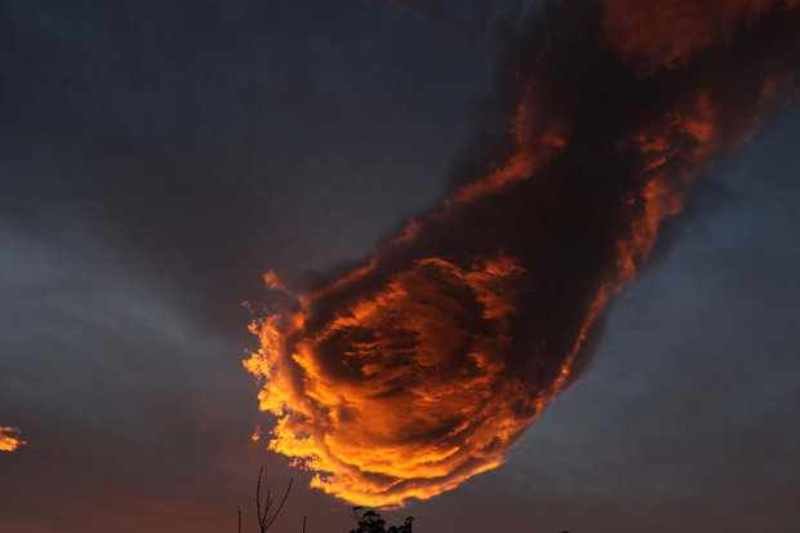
(258, 499)
(280, 507)
(265, 514)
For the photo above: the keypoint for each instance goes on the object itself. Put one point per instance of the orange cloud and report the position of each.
(418, 369)
(10, 439)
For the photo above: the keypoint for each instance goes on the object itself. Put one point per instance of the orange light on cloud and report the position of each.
(418, 369)
(10, 439)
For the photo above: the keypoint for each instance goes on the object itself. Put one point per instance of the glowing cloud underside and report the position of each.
(418, 369)
(10, 439)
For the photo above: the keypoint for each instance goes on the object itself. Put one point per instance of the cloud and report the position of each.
(10, 439)
(418, 369)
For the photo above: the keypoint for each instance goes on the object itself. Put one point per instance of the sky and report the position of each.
(157, 159)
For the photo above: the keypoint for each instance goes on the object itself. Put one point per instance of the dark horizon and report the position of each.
(158, 160)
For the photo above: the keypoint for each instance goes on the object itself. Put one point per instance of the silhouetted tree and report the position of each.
(267, 508)
(264, 510)
(370, 521)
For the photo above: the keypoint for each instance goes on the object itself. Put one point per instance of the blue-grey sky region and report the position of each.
(158, 157)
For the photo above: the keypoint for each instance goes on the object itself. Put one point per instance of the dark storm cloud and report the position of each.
(420, 367)
(684, 429)
(156, 158)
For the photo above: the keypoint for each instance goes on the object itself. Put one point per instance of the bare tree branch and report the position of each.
(280, 507)
(258, 498)
(265, 514)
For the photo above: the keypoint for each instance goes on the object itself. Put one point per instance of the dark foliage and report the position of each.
(370, 521)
